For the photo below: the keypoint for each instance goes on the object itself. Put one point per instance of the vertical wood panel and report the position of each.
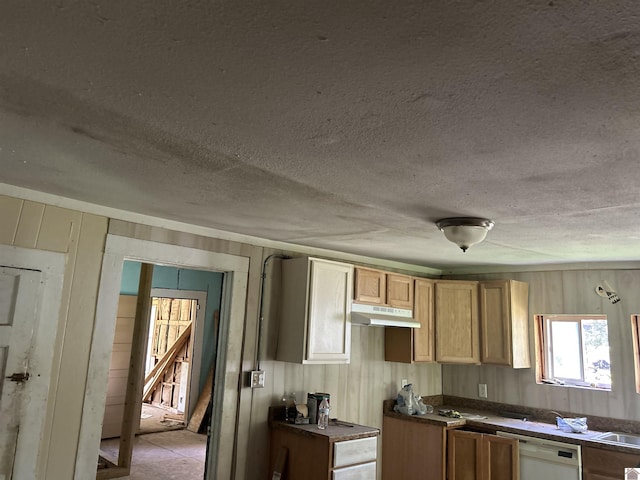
(72, 254)
(9, 216)
(119, 366)
(76, 338)
(29, 224)
(57, 228)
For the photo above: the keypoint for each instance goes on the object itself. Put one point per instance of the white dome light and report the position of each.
(465, 231)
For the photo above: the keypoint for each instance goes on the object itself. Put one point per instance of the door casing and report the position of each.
(228, 365)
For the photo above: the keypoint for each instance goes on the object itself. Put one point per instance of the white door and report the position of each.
(19, 301)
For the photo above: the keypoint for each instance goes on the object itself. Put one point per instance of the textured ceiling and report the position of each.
(346, 125)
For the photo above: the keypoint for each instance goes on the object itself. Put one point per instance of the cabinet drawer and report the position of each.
(366, 471)
(354, 451)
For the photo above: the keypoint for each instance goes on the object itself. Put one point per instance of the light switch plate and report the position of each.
(257, 379)
(482, 390)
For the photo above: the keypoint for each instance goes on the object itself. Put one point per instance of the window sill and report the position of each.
(555, 383)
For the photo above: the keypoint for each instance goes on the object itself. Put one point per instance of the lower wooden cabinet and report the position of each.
(413, 450)
(599, 464)
(307, 453)
(480, 456)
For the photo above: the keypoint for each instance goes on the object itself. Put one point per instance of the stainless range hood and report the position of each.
(378, 316)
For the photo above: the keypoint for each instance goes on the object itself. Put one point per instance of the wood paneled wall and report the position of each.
(81, 237)
(570, 292)
(119, 367)
(357, 390)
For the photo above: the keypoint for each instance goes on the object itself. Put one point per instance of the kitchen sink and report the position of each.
(626, 438)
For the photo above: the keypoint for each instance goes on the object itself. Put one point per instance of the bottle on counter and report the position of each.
(323, 414)
(290, 411)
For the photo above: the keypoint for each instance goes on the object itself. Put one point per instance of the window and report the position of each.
(573, 350)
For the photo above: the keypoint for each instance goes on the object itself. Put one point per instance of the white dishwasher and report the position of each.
(547, 459)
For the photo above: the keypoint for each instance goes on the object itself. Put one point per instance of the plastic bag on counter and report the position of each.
(408, 403)
(572, 425)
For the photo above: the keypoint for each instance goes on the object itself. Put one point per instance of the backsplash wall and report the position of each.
(357, 389)
(568, 292)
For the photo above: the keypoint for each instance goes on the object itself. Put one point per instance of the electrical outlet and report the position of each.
(403, 383)
(257, 379)
(482, 390)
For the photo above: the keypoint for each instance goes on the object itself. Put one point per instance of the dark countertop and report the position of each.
(334, 433)
(491, 422)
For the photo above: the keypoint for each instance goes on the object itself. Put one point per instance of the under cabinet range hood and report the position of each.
(378, 316)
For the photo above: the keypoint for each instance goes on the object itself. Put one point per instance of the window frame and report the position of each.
(635, 332)
(544, 350)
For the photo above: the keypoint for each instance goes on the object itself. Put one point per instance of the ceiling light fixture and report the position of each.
(465, 231)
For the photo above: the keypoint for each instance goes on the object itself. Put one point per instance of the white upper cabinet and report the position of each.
(315, 320)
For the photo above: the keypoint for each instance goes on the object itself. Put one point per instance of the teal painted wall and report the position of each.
(183, 279)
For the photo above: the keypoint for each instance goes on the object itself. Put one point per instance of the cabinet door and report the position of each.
(479, 456)
(399, 291)
(308, 457)
(456, 320)
(423, 312)
(465, 455)
(599, 464)
(504, 323)
(495, 324)
(500, 456)
(409, 345)
(412, 450)
(370, 286)
(329, 312)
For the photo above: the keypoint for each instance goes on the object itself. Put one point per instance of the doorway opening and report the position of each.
(179, 326)
(220, 460)
(173, 359)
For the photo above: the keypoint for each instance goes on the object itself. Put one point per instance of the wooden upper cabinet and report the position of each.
(381, 288)
(456, 321)
(399, 291)
(409, 345)
(479, 456)
(504, 323)
(423, 338)
(370, 286)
